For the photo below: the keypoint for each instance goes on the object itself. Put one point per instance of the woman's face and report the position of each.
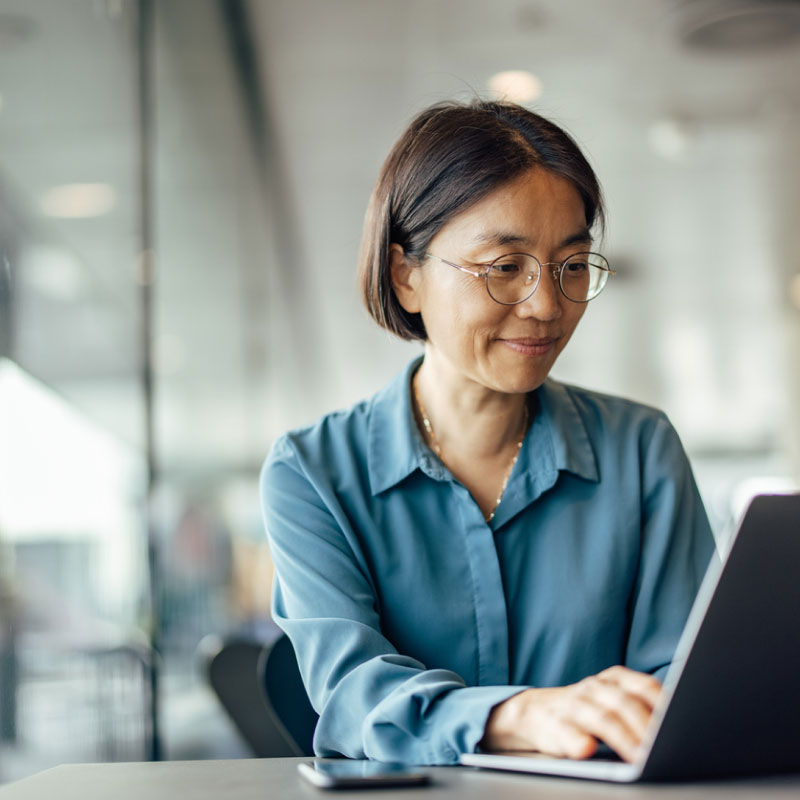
(504, 348)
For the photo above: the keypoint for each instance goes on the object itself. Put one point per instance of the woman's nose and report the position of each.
(545, 302)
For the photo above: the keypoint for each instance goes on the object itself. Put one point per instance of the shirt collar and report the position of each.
(396, 448)
(571, 447)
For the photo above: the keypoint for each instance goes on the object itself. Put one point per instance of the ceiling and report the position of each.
(259, 326)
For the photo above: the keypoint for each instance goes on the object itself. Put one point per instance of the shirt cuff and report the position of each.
(464, 712)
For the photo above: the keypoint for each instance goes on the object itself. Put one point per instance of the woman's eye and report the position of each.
(505, 268)
(575, 267)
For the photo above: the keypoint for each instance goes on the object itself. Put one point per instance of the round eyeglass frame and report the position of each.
(556, 272)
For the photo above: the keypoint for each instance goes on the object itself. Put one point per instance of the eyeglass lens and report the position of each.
(513, 278)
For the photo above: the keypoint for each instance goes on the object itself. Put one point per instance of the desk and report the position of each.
(277, 779)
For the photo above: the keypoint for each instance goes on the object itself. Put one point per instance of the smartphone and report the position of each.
(352, 774)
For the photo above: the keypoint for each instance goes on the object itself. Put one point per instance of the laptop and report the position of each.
(731, 698)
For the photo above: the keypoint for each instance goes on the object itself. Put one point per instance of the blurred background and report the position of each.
(182, 188)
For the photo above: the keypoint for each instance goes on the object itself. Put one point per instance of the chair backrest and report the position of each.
(233, 670)
(286, 697)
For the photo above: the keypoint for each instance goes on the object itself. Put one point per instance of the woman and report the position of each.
(478, 556)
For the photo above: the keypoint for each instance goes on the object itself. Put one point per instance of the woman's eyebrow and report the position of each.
(507, 237)
(581, 237)
(500, 238)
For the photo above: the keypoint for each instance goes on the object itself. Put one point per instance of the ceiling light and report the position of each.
(78, 200)
(517, 86)
(670, 138)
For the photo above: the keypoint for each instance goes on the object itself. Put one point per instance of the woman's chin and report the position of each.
(523, 378)
(520, 384)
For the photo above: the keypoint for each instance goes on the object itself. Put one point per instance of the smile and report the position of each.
(531, 347)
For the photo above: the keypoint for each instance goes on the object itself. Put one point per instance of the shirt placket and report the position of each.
(491, 619)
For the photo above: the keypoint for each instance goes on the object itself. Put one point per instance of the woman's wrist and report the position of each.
(502, 731)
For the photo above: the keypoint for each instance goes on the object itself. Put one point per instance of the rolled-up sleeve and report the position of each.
(676, 546)
(373, 702)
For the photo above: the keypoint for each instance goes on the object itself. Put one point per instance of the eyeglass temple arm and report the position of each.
(458, 266)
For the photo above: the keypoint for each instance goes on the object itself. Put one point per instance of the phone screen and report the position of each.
(353, 773)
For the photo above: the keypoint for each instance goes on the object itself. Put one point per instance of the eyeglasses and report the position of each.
(513, 278)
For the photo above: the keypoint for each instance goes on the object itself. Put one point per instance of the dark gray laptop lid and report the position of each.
(735, 704)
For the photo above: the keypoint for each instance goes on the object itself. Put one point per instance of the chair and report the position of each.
(285, 696)
(232, 670)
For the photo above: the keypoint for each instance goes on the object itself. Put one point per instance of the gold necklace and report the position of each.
(437, 448)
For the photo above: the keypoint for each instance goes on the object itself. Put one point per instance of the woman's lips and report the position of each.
(531, 347)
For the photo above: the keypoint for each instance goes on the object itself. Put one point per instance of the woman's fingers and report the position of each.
(571, 741)
(607, 725)
(617, 707)
(614, 706)
(631, 708)
(640, 684)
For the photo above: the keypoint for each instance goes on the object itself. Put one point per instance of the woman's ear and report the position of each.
(405, 279)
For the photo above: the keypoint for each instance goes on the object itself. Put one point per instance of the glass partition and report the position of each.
(74, 658)
(130, 537)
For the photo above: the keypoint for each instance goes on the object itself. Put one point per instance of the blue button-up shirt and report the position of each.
(412, 617)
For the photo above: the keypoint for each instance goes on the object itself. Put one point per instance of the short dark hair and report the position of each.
(451, 156)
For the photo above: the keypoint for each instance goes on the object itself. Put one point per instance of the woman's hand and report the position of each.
(613, 706)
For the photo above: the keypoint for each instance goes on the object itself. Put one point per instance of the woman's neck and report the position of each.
(468, 420)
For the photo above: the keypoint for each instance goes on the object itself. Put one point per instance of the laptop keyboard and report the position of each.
(604, 753)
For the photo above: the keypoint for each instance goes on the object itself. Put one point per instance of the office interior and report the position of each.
(182, 190)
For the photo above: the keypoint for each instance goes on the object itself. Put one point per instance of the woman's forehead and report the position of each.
(520, 213)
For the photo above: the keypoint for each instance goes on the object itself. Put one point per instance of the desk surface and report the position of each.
(265, 779)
